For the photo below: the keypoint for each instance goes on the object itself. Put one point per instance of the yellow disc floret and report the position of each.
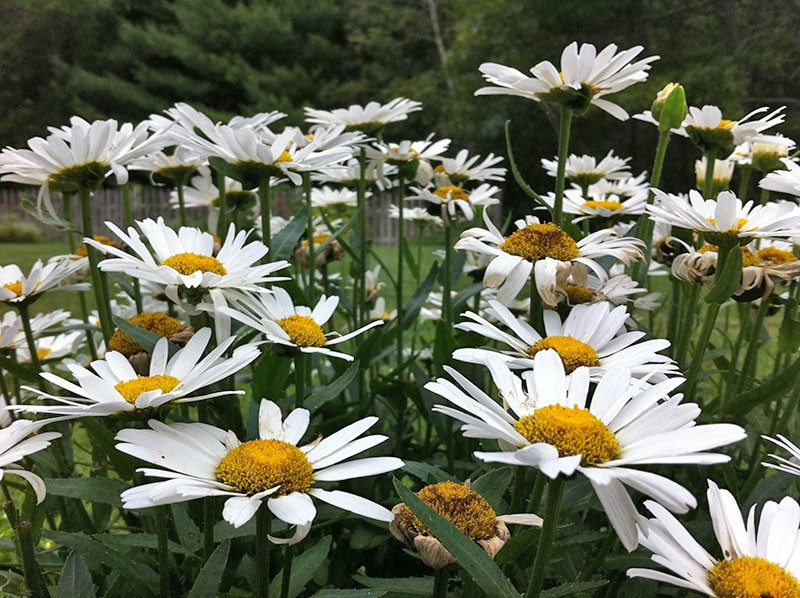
(752, 577)
(259, 465)
(42, 353)
(189, 263)
(466, 509)
(572, 431)
(776, 256)
(577, 294)
(451, 192)
(14, 287)
(538, 241)
(103, 240)
(303, 331)
(160, 324)
(131, 389)
(612, 206)
(573, 353)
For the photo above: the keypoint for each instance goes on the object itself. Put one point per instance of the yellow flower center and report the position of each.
(739, 224)
(573, 353)
(752, 577)
(776, 256)
(466, 509)
(726, 124)
(572, 432)
(14, 287)
(131, 389)
(605, 204)
(42, 353)
(259, 465)
(449, 192)
(160, 324)
(71, 179)
(82, 251)
(577, 294)
(303, 331)
(748, 257)
(285, 157)
(538, 241)
(189, 263)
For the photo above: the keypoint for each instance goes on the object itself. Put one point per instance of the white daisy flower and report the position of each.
(417, 215)
(376, 173)
(183, 119)
(200, 460)
(177, 166)
(616, 290)
(12, 335)
(583, 79)
(464, 168)
(327, 198)
(16, 288)
(543, 250)
(78, 156)
(605, 206)
(592, 336)
(783, 181)
(369, 119)
(456, 202)
(295, 326)
(16, 443)
(790, 465)
(555, 427)
(758, 560)
(721, 177)
(49, 348)
(586, 170)
(768, 151)
(404, 154)
(706, 127)
(114, 387)
(186, 261)
(624, 188)
(726, 215)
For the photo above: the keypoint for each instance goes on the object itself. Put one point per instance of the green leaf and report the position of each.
(493, 485)
(75, 580)
(518, 176)
(472, 558)
(304, 568)
(727, 280)
(568, 589)
(461, 299)
(284, 242)
(189, 535)
(25, 372)
(270, 375)
(411, 261)
(419, 297)
(207, 583)
(350, 593)
(774, 387)
(789, 332)
(415, 586)
(321, 395)
(102, 490)
(125, 563)
(144, 337)
(230, 171)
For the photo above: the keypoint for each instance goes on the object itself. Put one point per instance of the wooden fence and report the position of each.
(151, 202)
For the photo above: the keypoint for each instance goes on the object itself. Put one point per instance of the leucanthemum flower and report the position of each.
(557, 428)
(726, 215)
(457, 203)
(616, 290)
(758, 560)
(543, 250)
(19, 440)
(470, 512)
(465, 168)
(327, 199)
(417, 215)
(112, 386)
(592, 336)
(584, 78)
(49, 348)
(604, 206)
(376, 173)
(369, 119)
(177, 166)
(12, 335)
(719, 136)
(783, 181)
(185, 262)
(16, 288)
(294, 326)
(404, 155)
(200, 460)
(720, 178)
(586, 170)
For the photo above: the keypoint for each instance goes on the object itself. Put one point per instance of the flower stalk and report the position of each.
(563, 151)
(555, 494)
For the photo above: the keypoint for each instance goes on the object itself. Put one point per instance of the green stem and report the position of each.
(163, 550)
(26, 326)
(744, 183)
(127, 214)
(640, 269)
(286, 579)
(440, 580)
(182, 203)
(360, 289)
(563, 151)
(755, 340)
(673, 323)
(30, 567)
(401, 191)
(97, 283)
(535, 309)
(263, 525)
(300, 373)
(447, 303)
(708, 183)
(265, 202)
(764, 196)
(686, 332)
(312, 258)
(700, 350)
(555, 493)
(208, 523)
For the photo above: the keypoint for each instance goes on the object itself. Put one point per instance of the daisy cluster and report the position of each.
(244, 343)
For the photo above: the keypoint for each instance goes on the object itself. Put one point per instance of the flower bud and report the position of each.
(669, 107)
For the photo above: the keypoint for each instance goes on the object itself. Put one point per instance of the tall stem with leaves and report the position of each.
(401, 192)
(565, 126)
(640, 269)
(555, 494)
(97, 283)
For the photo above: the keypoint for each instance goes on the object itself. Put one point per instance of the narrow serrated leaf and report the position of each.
(284, 242)
(207, 583)
(75, 580)
(305, 567)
